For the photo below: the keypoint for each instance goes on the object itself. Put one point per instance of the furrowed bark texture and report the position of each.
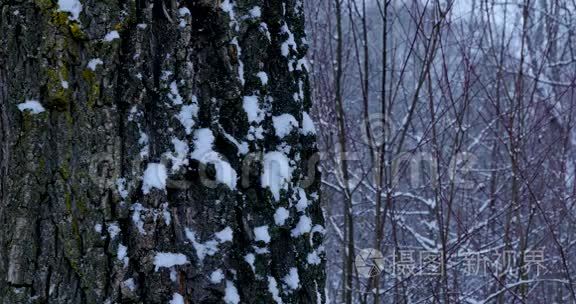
(77, 222)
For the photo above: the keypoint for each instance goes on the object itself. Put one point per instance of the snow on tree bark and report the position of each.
(130, 170)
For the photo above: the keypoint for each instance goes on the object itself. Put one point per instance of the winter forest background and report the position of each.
(447, 138)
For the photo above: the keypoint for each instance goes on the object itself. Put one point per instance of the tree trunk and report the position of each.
(156, 151)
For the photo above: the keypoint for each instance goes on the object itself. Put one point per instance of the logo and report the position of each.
(377, 129)
(369, 262)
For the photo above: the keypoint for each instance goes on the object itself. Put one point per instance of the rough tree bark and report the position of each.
(201, 89)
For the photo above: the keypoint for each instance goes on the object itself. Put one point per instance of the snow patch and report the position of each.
(74, 7)
(308, 127)
(111, 36)
(290, 43)
(263, 78)
(182, 23)
(143, 141)
(313, 258)
(202, 249)
(123, 255)
(303, 226)
(303, 64)
(250, 259)
(187, 115)
(231, 295)
(224, 172)
(121, 187)
(173, 275)
(284, 124)
(203, 143)
(130, 284)
(216, 276)
(255, 12)
(255, 133)
(179, 157)
(174, 94)
(31, 105)
(302, 201)
(276, 173)
(168, 259)
(154, 177)
(273, 289)
(318, 228)
(259, 250)
(291, 279)
(261, 234)
(281, 215)
(166, 214)
(93, 63)
(176, 299)
(226, 235)
(252, 109)
(264, 29)
(228, 7)
(136, 217)
(183, 11)
(113, 230)
(240, 63)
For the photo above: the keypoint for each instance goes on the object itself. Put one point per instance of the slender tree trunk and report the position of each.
(127, 130)
(349, 252)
